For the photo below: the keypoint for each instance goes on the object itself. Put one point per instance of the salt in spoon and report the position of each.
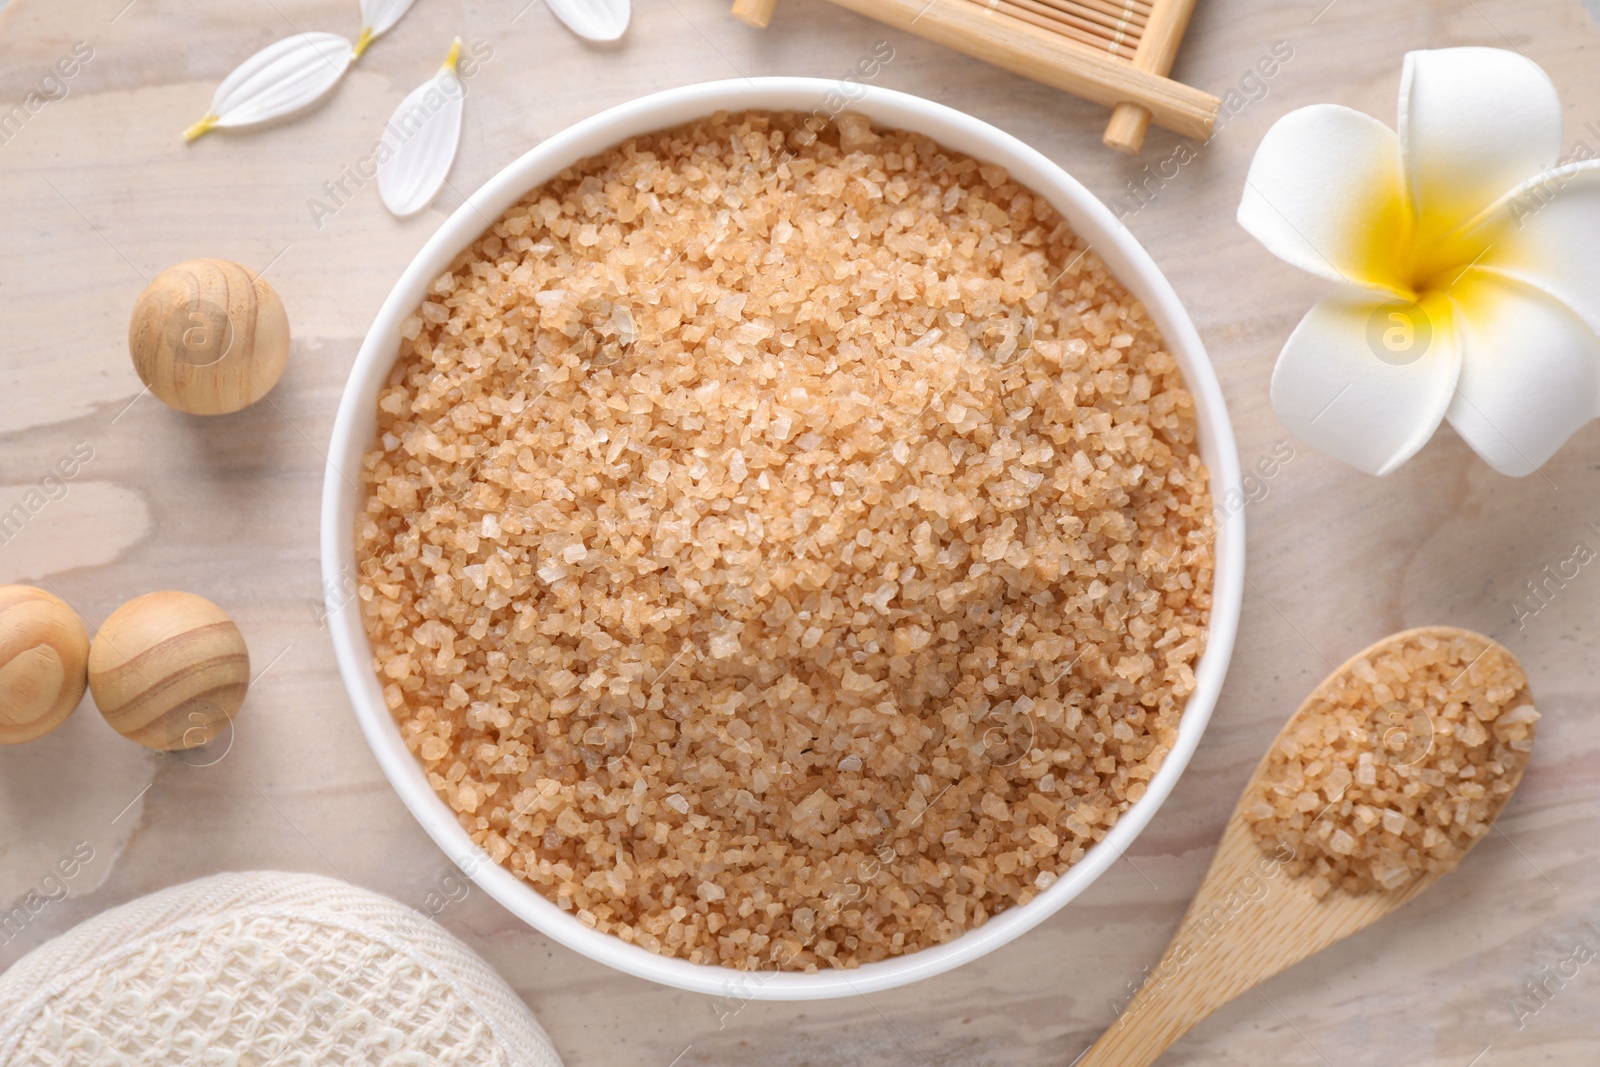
(1253, 916)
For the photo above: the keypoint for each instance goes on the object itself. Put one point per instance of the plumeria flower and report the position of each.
(1467, 266)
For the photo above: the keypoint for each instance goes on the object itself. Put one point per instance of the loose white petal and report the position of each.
(377, 18)
(1367, 380)
(1530, 372)
(421, 140)
(279, 80)
(1545, 233)
(1474, 123)
(598, 20)
(1323, 193)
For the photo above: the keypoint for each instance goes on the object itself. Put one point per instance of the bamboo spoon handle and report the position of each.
(1250, 920)
(1209, 960)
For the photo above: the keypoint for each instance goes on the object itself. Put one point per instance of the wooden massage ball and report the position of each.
(209, 337)
(169, 670)
(44, 654)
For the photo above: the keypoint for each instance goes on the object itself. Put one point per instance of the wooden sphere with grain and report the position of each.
(169, 670)
(44, 654)
(209, 337)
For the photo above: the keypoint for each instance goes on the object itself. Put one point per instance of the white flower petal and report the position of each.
(1474, 123)
(421, 140)
(1323, 193)
(1530, 372)
(598, 20)
(279, 80)
(377, 18)
(1545, 233)
(1334, 391)
(380, 15)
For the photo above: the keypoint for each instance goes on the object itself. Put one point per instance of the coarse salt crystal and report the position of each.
(781, 453)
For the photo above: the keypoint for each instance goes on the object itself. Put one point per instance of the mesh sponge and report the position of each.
(263, 969)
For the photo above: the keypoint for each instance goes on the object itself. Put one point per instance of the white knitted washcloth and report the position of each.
(263, 970)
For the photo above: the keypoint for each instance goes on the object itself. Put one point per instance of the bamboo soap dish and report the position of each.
(1114, 52)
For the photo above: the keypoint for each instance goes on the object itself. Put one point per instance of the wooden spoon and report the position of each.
(1251, 918)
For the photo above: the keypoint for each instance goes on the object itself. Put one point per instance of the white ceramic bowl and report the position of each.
(355, 428)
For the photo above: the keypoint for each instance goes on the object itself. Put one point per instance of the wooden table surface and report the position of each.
(98, 193)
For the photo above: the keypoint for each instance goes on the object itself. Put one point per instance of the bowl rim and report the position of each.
(355, 427)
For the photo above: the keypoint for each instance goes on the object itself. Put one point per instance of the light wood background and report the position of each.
(98, 193)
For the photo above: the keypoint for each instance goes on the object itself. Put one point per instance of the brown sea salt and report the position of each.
(1396, 770)
(782, 555)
